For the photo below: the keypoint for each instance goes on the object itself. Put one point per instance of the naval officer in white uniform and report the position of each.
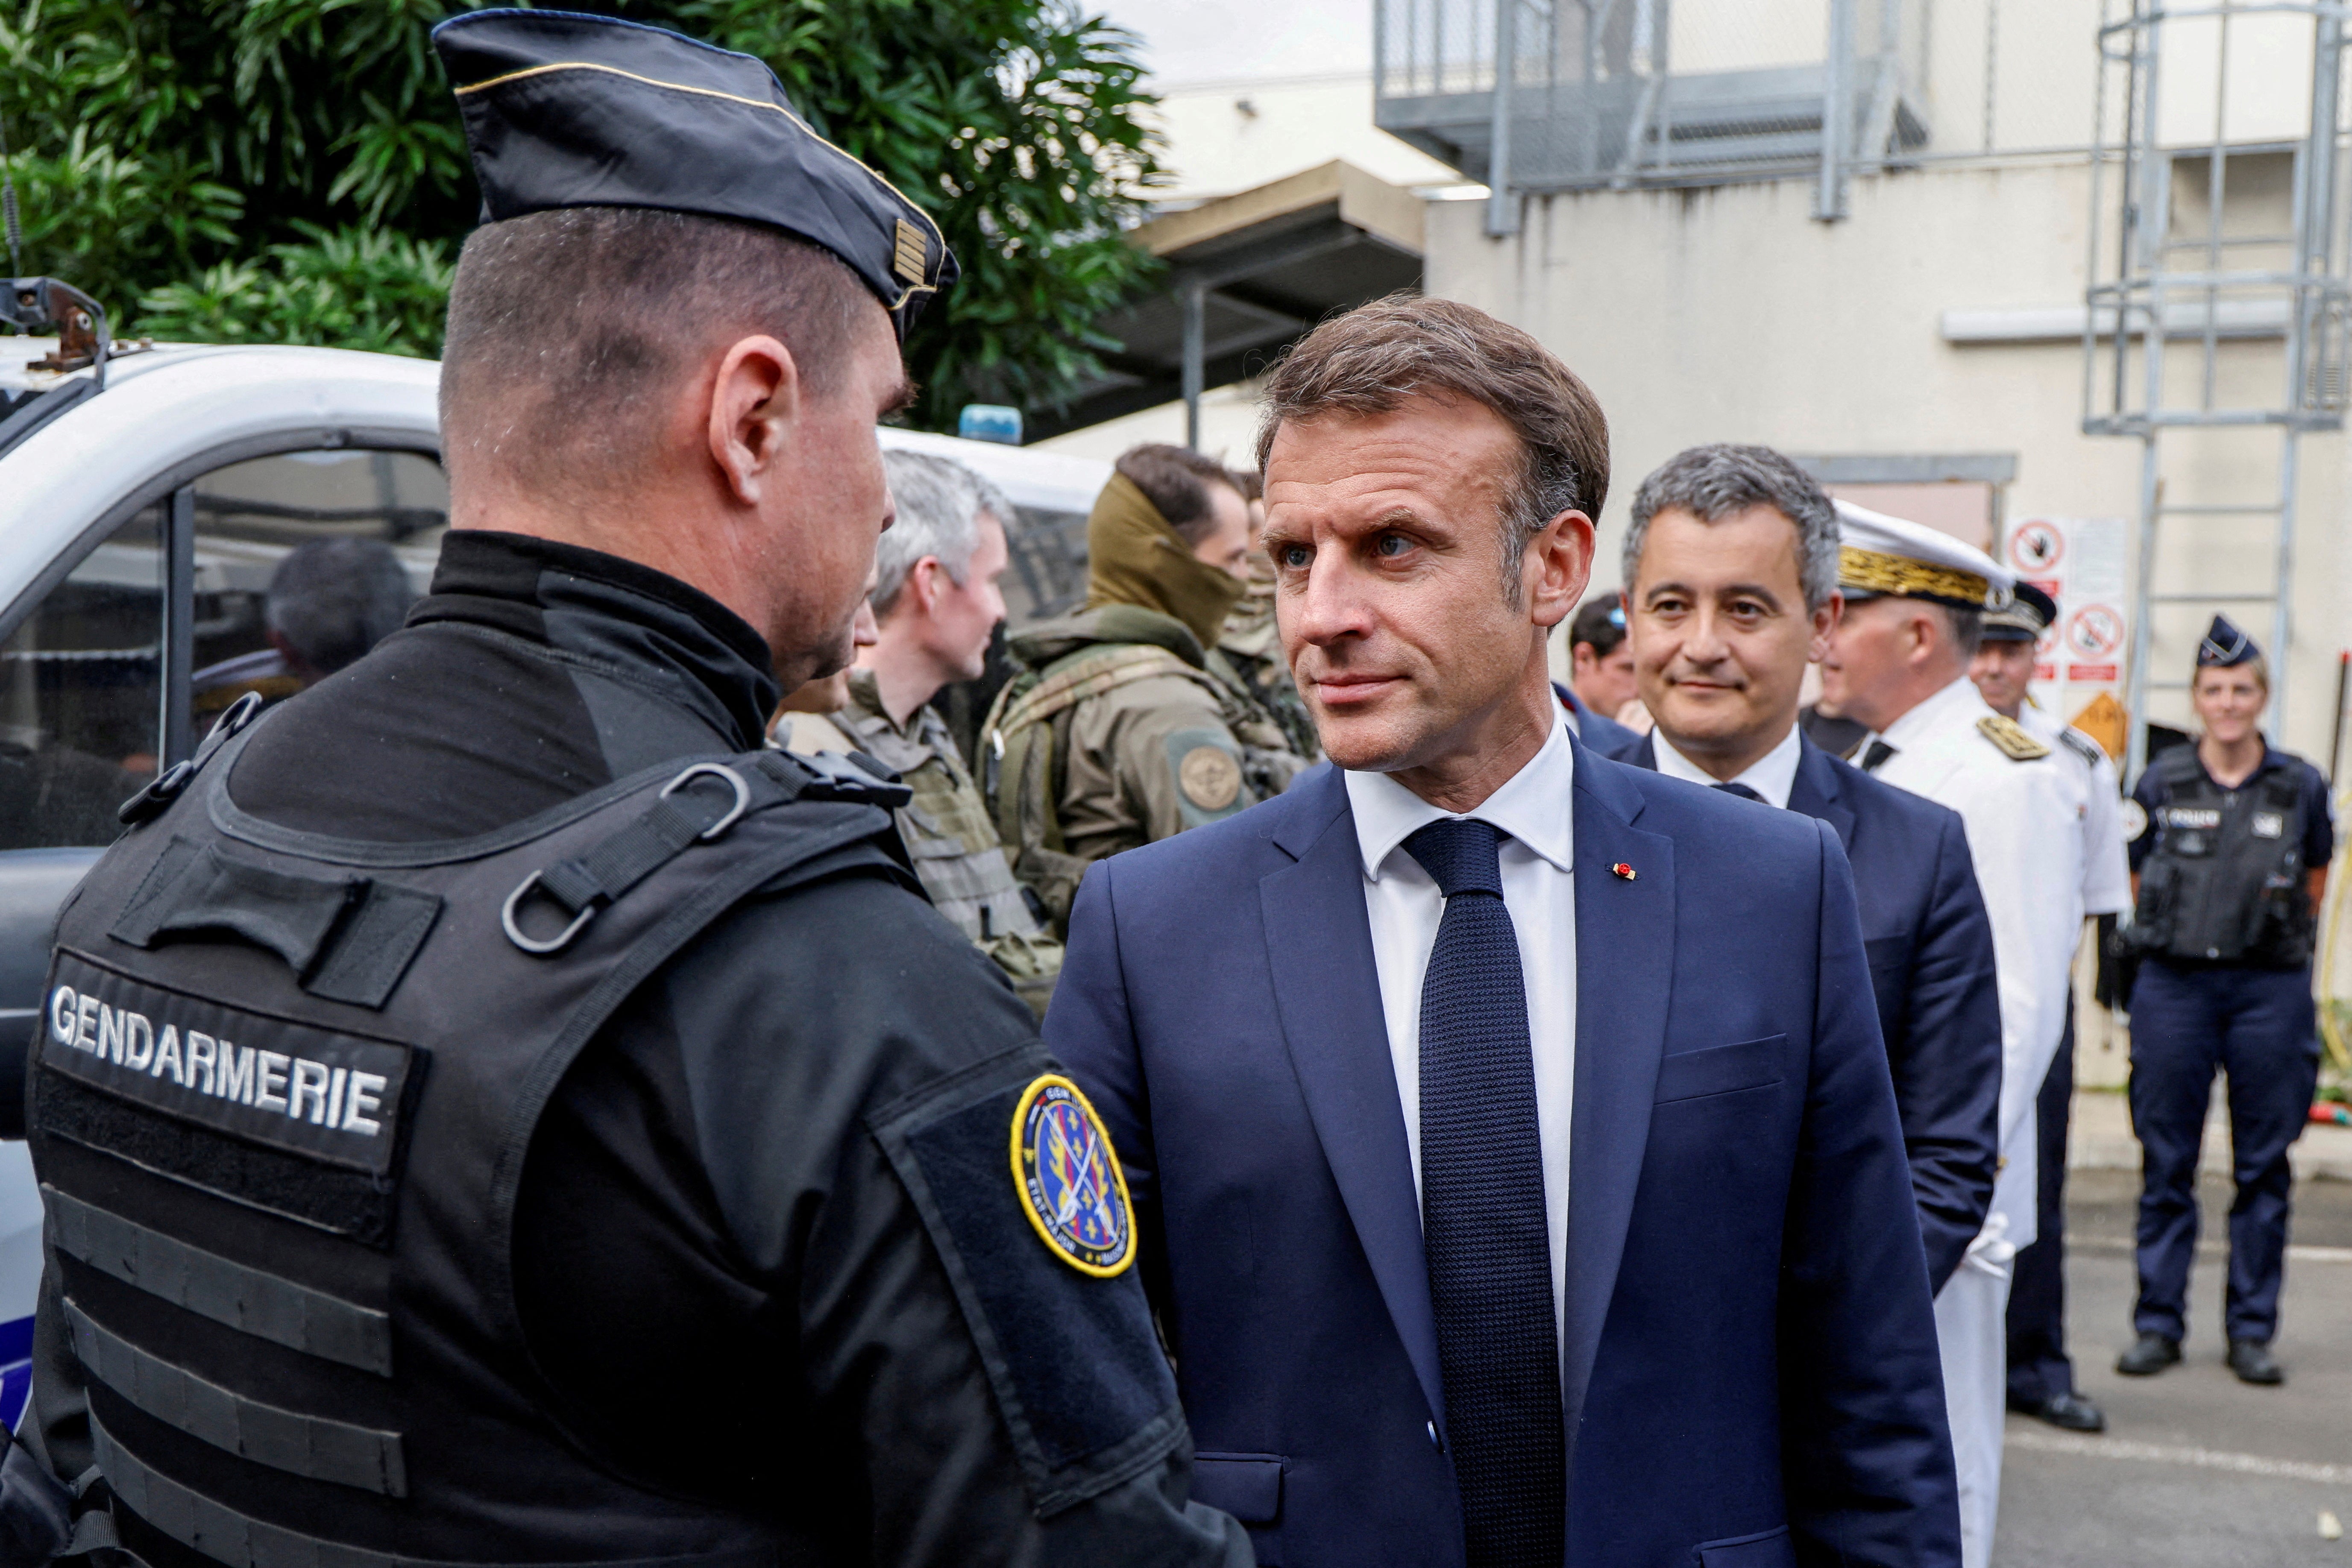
(1898, 662)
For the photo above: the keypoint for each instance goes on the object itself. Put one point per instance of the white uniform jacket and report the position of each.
(2024, 826)
(2106, 873)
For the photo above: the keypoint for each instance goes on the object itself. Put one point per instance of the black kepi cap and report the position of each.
(2024, 618)
(2224, 645)
(566, 111)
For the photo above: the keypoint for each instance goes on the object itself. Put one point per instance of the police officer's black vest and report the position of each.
(2224, 882)
(283, 1090)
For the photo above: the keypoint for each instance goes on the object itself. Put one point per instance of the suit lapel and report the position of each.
(1326, 988)
(1818, 792)
(1624, 970)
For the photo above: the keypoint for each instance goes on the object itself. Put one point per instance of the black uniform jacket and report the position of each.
(1931, 966)
(729, 1292)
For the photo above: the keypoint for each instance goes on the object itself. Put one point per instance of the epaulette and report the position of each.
(2081, 745)
(2010, 736)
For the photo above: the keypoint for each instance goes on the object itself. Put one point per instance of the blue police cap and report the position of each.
(2224, 645)
(566, 111)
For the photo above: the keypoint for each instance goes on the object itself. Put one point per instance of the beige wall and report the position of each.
(1223, 137)
(1728, 314)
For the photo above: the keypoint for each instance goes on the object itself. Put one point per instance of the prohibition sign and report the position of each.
(2036, 547)
(2094, 631)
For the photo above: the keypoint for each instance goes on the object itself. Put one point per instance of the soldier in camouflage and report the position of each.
(935, 602)
(1125, 725)
(1251, 642)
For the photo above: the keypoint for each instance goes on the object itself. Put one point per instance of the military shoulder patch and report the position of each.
(2010, 736)
(1210, 777)
(2134, 817)
(1070, 1178)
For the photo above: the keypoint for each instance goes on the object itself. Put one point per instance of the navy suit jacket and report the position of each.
(1749, 1366)
(1598, 732)
(1929, 943)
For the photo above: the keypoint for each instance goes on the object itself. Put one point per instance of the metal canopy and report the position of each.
(1247, 273)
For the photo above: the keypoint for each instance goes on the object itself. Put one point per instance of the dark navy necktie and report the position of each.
(1741, 790)
(1483, 1218)
(1875, 756)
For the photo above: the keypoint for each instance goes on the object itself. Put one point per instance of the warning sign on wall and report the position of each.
(2082, 563)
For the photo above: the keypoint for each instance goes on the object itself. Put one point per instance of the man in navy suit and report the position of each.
(1733, 558)
(1509, 1132)
(1597, 731)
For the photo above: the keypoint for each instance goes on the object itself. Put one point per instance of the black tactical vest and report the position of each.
(2224, 882)
(282, 1093)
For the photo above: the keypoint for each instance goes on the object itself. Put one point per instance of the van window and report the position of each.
(303, 562)
(296, 564)
(81, 694)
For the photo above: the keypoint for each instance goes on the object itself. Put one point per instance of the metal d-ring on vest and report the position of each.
(586, 883)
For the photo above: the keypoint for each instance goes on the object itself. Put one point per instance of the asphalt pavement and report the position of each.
(2196, 1469)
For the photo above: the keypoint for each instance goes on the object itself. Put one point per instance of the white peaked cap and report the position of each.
(1894, 556)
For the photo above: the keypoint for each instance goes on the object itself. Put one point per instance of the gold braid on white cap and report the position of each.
(1900, 575)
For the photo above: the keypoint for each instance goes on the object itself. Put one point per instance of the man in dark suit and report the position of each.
(1508, 1129)
(1598, 733)
(1732, 556)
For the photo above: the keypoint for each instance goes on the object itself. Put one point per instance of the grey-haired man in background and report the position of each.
(936, 604)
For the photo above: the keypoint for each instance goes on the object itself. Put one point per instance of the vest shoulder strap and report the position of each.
(1090, 672)
(2179, 768)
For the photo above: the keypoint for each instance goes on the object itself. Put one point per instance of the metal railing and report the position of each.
(1552, 95)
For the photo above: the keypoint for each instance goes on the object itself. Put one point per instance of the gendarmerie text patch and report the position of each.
(174, 1071)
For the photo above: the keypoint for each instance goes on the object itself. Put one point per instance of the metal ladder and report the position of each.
(2160, 290)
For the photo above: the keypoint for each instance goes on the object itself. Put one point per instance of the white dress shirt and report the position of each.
(1404, 906)
(1771, 775)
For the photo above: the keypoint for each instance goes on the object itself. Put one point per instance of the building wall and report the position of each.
(1729, 314)
(1228, 136)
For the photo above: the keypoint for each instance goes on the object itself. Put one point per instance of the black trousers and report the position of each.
(2038, 1369)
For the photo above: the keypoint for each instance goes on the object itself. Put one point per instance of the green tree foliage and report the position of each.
(282, 171)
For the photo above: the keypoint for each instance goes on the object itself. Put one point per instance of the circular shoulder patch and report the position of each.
(1069, 1179)
(1210, 777)
(2135, 819)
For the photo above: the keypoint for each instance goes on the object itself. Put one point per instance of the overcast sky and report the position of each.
(1217, 40)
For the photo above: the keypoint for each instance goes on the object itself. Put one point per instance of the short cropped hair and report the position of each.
(333, 599)
(1717, 482)
(1600, 624)
(1176, 480)
(567, 329)
(1376, 356)
(940, 502)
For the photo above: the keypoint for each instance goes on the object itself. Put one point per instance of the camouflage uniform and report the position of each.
(1252, 643)
(1120, 731)
(946, 829)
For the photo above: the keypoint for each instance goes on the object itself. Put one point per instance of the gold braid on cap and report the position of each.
(1899, 575)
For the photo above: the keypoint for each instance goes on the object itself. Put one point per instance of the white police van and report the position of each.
(141, 520)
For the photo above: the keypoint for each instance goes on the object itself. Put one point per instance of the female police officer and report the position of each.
(2228, 869)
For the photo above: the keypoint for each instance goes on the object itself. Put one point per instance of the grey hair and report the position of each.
(1967, 629)
(939, 502)
(333, 599)
(1713, 483)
